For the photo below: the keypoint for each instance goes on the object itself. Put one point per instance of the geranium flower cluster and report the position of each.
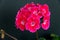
(28, 17)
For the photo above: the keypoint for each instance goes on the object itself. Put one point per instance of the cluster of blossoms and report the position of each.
(29, 17)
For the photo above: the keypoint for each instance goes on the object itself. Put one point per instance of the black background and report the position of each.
(8, 11)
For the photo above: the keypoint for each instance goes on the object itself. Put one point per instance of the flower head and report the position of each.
(28, 17)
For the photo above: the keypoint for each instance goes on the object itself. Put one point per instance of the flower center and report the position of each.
(22, 22)
(32, 23)
(29, 8)
(45, 22)
(44, 10)
(35, 12)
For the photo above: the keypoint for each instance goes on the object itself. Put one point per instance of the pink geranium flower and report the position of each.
(32, 24)
(45, 25)
(46, 16)
(45, 9)
(34, 9)
(20, 21)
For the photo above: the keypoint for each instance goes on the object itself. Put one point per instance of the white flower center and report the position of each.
(44, 22)
(32, 23)
(22, 22)
(29, 8)
(35, 12)
(44, 10)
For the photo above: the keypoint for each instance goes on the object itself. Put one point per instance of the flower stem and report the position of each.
(4, 33)
(37, 35)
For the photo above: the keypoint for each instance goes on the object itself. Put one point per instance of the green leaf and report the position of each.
(55, 37)
(42, 38)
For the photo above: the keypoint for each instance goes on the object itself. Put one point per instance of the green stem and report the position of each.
(37, 35)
